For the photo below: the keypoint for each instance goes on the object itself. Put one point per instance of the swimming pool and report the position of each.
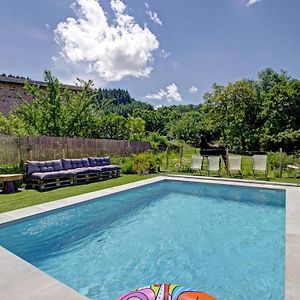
(228, 241)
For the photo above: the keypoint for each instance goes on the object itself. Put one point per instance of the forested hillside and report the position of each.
(119, 102)
(245, 115)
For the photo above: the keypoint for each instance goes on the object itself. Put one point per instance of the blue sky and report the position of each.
(163, 52)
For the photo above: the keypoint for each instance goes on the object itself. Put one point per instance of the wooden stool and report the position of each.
(10, 182)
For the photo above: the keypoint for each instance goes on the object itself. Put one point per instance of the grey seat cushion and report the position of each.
(114, 167)
(106, 168)
(98, 169)
(66, 173)
(51, 175)
(88, 170)
(111, 167)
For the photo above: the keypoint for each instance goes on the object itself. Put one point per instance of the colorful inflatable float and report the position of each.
(165, 292)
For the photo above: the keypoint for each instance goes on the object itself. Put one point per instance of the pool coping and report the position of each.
(28, 281)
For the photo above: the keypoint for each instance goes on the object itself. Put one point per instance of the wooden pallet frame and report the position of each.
(51, 183)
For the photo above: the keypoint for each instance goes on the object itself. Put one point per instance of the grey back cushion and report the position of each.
(85, 162)
(106, 160)
(33, 167)
(92, 161)
(57, 165)
(75, 163)
(46, 166)
(66, 163)
(47, 169)
(99, 161)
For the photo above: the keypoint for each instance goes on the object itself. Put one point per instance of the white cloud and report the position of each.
(159, 96)
(113, 51)
(164, 53)
(251, 2)
(118, 6)
(154, 17)
(47, 25)
(193, 90)
(170, 94)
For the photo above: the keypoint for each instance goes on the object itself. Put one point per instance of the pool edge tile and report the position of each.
(28, 281)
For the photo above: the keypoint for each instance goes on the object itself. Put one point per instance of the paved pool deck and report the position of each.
(21, 280)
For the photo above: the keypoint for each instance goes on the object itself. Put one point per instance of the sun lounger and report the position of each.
(196, 163)
(213, 164)
(235, 164)
(260, 164)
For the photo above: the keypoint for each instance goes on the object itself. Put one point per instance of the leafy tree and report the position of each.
(119, 102)
(158, 142)
(136, 128)
(112, 126)
(14, 125)
(280, 113)
(79, 115)
(153, 121)
(58, 112)
(232, 111)
(187, 128)
(249, 115)
(44, 112)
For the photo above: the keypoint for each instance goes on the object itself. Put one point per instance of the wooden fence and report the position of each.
(14, 149)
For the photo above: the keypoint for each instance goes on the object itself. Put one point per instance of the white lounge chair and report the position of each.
(213, 164)
(260, 164)
(235, 164)
(196, 163)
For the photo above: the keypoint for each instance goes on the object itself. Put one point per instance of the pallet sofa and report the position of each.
(44, 175)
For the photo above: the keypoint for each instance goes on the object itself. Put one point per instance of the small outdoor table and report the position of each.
(295, 168)
(10, 182)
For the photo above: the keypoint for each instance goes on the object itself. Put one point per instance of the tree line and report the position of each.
(246, 115)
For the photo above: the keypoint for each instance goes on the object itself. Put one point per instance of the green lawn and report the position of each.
(33, 197)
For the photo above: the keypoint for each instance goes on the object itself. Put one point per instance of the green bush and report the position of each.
(128, 167)
(142, 163)
(12, 169)
(158, 142)
(274, 158)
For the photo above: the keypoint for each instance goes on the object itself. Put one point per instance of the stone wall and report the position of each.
(9, 96)
(12, 88)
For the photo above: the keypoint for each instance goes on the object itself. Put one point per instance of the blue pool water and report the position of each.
(228, 241)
